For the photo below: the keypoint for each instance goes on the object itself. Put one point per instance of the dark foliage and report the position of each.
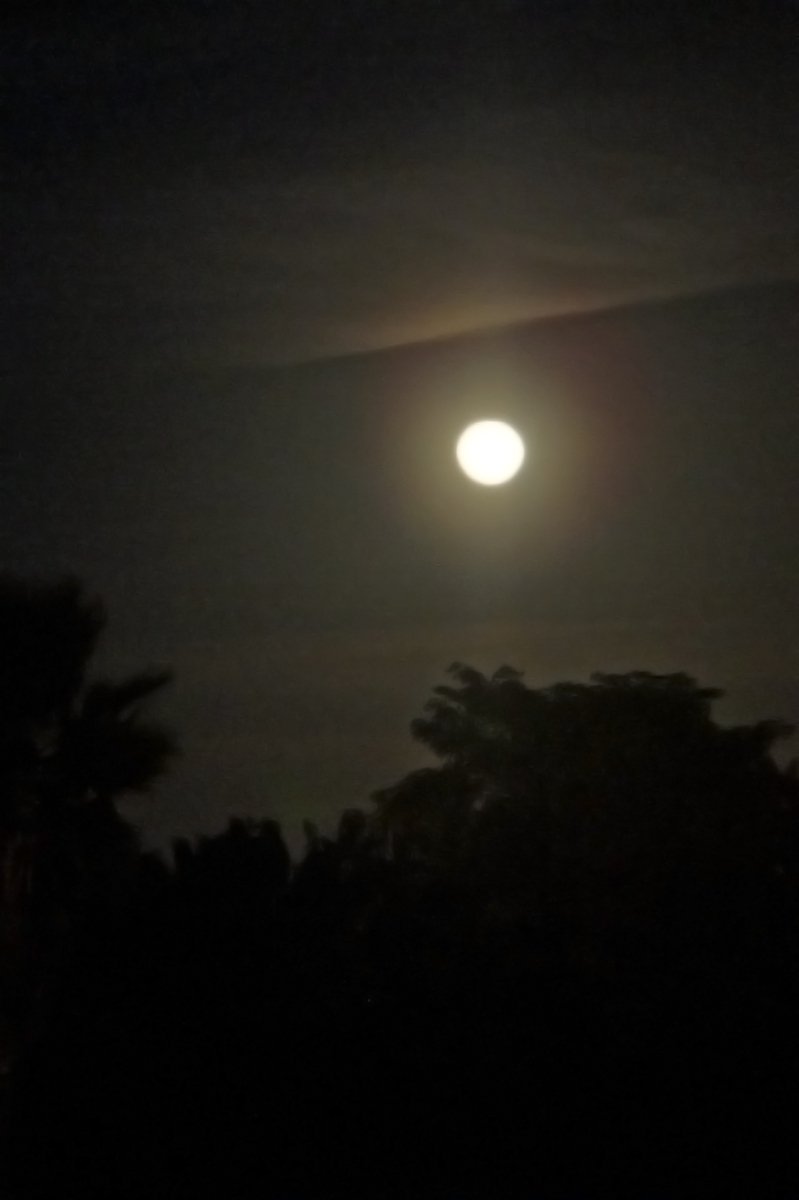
(562, 963)
(68, 748)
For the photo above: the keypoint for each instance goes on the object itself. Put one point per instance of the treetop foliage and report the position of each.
(562, 960)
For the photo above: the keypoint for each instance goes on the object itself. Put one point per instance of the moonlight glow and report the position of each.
(490, 452)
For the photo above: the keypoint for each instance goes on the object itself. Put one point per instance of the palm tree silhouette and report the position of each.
(69, 747)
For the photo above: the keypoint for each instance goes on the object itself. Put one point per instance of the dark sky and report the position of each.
(210, 210)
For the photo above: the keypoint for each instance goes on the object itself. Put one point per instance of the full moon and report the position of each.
(490, 452)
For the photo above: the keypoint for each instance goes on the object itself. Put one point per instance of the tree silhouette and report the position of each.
(616, 840)
(625, 774)
(563, 962)
(68, 748)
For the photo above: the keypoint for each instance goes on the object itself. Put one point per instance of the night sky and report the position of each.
(238, 243)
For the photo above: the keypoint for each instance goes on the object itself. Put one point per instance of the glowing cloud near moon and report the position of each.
(490, 452)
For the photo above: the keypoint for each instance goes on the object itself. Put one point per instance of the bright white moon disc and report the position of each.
(490, 452)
